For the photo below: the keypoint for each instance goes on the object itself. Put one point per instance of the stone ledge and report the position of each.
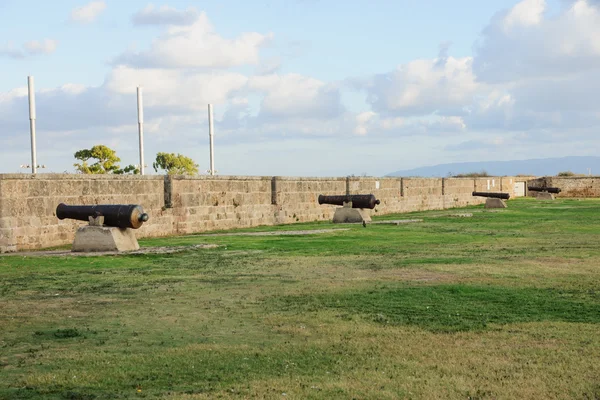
(85, 177)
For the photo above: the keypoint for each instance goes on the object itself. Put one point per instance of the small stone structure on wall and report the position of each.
(184, 205)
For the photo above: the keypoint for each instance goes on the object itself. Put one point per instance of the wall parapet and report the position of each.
(571, 186)
(182, 204)
(88, 177)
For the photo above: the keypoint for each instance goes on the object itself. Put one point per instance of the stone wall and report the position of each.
(296, 199)
(28, 205)
(585, 186)
(184, 205)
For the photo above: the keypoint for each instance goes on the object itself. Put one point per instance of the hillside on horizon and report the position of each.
(586, 165)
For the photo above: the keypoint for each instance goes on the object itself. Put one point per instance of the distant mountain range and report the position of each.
(537, 167)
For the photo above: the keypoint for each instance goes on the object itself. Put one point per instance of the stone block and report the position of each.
(350, 215)
(6, 223)
(103, 238)
(543, 196)
(491, 202)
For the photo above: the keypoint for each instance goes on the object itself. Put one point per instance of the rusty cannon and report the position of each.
(554, 190)
(110, 226)
(543, 192)
(493, 199)
(353, 207)
(116, 215)
(358, 200)
(493, 195)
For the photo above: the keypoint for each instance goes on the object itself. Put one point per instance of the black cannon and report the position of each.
(358, 200)
(503, 196)
(117, 215)
(544, 189)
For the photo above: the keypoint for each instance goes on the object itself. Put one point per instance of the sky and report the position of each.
(301, 87)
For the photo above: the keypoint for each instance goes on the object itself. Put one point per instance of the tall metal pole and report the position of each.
(210, 136)
(140, 107)
(32, 123)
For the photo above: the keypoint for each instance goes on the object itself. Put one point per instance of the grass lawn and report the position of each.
(504, 304)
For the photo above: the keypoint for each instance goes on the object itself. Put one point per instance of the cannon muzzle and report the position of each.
(358, 200)
(116, 215)
(503, 196)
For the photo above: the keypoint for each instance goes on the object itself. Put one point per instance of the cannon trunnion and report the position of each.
(117, 215)
(358, 200)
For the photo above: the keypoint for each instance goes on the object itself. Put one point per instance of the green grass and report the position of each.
(501, 305)
(453, 308)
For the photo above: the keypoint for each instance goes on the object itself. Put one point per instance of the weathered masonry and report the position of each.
(184, 205)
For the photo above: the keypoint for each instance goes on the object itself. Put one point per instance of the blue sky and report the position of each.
(318, 38)
(302, 87)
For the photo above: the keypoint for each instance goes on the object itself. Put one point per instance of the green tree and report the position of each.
(175, 164)
(106, 161)
(481, 174)
(128, 170)
(566, 173)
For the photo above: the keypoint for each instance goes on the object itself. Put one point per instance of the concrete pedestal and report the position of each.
(103, 238)
(491, 202)
(544, 196)
(350, 215)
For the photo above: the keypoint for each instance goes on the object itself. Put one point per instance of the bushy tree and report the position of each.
(175, 164)
(481, 174)
(106, 161)
(128, 170)
(566, 173)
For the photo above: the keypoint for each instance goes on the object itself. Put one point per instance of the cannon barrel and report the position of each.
(116, 215)
(503, 196)
(358, 200)
(544, 189)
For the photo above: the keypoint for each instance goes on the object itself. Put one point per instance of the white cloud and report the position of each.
(393, 123)
(46, 46)
(423, 87)
(197, 45)
(553, 46)
(540, 73)
(426, 125)
(30, 48)
(73, 88)
(5, 97)
(175, 89)
(165, 15)
(269, 66)
(531, 72)
(362, 121)
(11, 51)
(525, 13)
(294, 95)
(88, 13)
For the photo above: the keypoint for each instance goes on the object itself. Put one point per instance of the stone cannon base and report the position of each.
(103, 238)
(346, 215)
(544, 196)
(491, 202)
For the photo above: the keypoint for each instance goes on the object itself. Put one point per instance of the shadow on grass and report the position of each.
(452, 308)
